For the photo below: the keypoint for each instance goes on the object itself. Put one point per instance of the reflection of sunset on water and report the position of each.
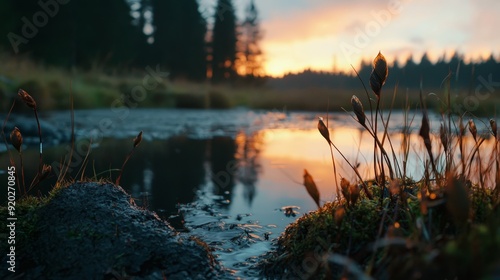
(256, 169)
(287, 152)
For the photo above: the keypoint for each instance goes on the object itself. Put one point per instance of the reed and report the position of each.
(326, 134)
(16, 138)
(137, 140)
(31, 103)
(443, 225)
(496, 158)
(323, 130)
(311, 187)
(377, 80)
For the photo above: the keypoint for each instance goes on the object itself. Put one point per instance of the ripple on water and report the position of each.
(238, 241)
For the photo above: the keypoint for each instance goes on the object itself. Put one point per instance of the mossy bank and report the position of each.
(94, 231)
(395, 239)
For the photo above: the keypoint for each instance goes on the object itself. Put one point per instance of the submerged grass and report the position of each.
(444, 226)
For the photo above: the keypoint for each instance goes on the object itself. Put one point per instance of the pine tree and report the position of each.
(224, 41)
(179, 38)
(79, 33)
(104, 33)
(250, 55)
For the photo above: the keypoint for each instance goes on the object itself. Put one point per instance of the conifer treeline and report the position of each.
(124, 34)
(464, 74)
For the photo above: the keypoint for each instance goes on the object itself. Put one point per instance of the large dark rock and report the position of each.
(95, 231)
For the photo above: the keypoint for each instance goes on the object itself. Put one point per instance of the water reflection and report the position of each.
(255, 172)
(163, 173)
(249, 148)
(223, 167)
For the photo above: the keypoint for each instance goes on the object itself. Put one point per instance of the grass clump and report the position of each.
(412, 240)
(444, 226)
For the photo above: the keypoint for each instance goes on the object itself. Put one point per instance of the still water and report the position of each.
(245, 166)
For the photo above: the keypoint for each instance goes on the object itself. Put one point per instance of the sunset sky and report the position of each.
(327, 35)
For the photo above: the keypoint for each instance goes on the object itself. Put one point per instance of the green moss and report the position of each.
(408, 239)
(26, 212)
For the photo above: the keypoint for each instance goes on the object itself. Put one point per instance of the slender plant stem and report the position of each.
(355, 171)
(331, 153)
(40, 163)
(11, 158)
(123, 166)
(22, 172)
(335, 173)
(497, 176)
(384, 153)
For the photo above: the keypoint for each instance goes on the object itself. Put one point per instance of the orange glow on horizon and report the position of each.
(332, 36)
(281, 66)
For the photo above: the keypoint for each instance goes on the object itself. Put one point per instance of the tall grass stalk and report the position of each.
(377, 79)
(16, 138)
(323, 130)
(137, 140)
(30, 102)
(65, 165)
(496, 141)
(361, 119)
(11, 159)
(445, 223)
(473, 130)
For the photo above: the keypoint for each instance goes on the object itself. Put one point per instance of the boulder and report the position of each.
(92, 230)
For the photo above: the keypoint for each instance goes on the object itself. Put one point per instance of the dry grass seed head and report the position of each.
(46, 170)
(16, 138)
(379, 74)
(493, 125)
(472, 128)
(324, 130)
(27, 99)
(311, 187)
(425, 133)
(344, 187)
(357, 107)
(138, 139)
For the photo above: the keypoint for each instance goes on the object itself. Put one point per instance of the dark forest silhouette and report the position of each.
(464, 75)
(119, 35)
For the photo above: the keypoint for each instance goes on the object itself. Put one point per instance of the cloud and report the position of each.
(299, 34)
(316, 21)
(483, 28)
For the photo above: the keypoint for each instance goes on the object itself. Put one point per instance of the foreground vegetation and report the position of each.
(444, 226)
(395, 240)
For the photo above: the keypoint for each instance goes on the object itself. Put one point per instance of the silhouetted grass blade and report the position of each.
(311, 187)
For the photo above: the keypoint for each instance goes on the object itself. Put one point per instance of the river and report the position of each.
(231, 167)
